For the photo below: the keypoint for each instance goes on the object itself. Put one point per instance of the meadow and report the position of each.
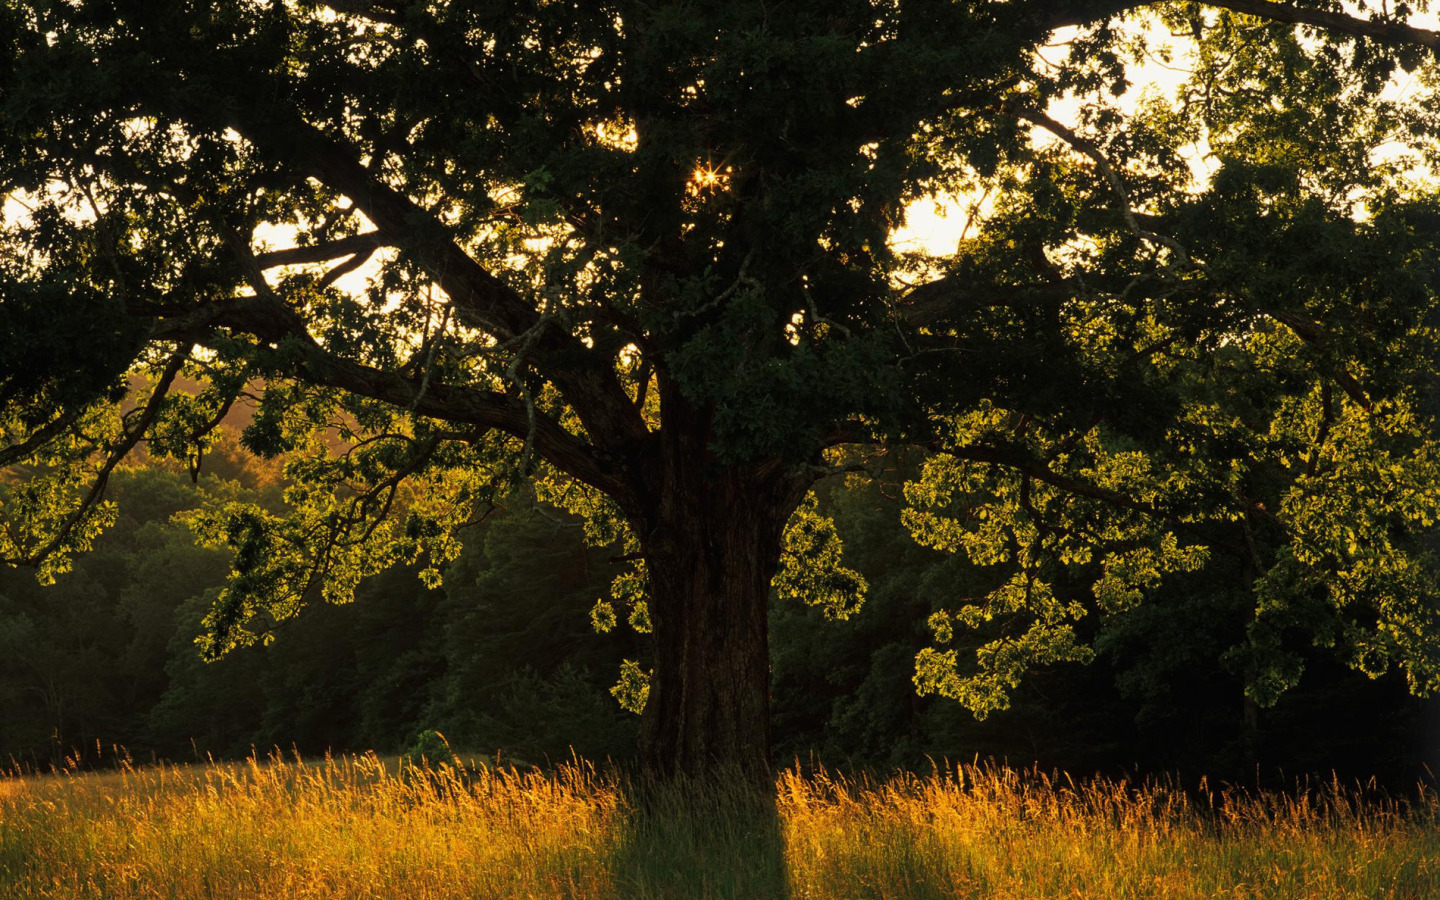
(367, 827)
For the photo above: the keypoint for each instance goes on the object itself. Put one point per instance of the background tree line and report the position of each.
(504, 658)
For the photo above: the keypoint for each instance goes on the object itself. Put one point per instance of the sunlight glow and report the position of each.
(709, 179)
(935, 225)
(617, 135)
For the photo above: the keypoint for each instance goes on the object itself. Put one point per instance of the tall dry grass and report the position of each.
(360, 827)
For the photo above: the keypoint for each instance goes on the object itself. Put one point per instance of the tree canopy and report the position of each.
(642, 255)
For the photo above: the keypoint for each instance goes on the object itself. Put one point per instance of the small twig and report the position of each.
(1327, 419)
(1117, 185)
(368, 506)
(514, 373)
(431, 342)
(742, 279)
(814, 312)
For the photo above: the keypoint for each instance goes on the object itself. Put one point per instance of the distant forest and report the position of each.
(504, 659)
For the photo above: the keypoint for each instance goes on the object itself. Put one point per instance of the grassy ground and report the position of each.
(357, 827)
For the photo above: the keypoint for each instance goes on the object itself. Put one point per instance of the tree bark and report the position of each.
(711, 546)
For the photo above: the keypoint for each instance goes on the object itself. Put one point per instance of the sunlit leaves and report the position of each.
(354, 508)
(810, 565)
(1357, 568)
(1048, 545)
(1327, 502)
(632, 691)
(42, 519)
(1001, 665)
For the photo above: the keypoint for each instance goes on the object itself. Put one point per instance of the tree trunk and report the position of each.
(711, 550)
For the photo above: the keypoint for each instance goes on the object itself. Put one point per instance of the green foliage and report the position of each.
(1044, 543)
(640, 257)
(349, 514)
(91, 648)
(502, 659)
(430, 749)
(632, 691)
(522, 669)
(606, 526)
(108, 652)
(810, 569)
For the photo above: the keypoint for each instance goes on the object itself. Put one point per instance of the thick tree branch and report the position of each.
(39, 437)
(481, 298)
(1313, 334)
(271, 322)
(1384, 32)
(587, 381)
(935, 301)
(1117, 184)
(345, 268)
(1393, 33)
(299, 256)
(321, 366)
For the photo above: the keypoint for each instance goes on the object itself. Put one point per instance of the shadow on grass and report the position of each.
(701, 840)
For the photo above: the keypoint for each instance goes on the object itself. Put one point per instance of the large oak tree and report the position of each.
(641, 253)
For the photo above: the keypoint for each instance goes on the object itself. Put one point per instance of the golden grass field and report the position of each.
(363, 827)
